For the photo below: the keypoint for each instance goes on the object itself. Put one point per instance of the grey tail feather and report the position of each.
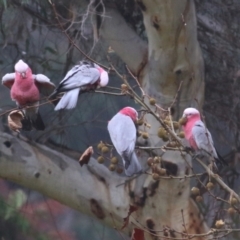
(132, 165)
(26, 124)
(221, 159)
(215, 167)
(37, 123)
(68, 100)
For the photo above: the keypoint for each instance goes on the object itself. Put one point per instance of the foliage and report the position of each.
(13, 224)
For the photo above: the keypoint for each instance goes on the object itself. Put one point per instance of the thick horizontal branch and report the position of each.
(94, 190)
(90, 189)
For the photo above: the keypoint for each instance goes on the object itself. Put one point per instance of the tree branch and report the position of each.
(92, 188)
(89, 189)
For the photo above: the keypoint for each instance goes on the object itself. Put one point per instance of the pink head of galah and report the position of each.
(22, 69)
(131, 112)
(191, 113)
(103, 77)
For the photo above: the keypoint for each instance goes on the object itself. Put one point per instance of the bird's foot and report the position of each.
(213, 167)
(187, 149)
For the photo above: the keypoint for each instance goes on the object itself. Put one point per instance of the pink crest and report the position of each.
(131, 112)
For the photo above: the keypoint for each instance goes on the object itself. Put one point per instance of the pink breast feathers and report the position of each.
(25, 94)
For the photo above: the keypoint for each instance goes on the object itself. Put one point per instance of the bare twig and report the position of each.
(27, 106)
(143, 93)
(114, 226)
(69, 38)
(219, 180)
(110, 93)
(175, 137)
(186, 236)
(184, 225)
(182, 177)
(177, 93)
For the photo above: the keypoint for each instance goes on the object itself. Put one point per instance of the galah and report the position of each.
(25, 89)
(82, 77)
(198, 136)
(123, 134)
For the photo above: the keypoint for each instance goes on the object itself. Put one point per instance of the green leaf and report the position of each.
(15, 201)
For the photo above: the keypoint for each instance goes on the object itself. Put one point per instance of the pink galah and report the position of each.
(198, 136)
(123, 134)
(82, 77)
(25, 89)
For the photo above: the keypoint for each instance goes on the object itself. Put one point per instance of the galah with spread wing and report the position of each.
(123, 134)
(25, 89)
(82, 77)
(197, 135)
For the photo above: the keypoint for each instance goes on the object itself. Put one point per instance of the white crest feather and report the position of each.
(103, 79)
(21, 66)
(190, 110)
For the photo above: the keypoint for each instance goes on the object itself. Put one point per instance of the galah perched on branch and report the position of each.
(198, 136)
(82, 77)
(25, 89)
(123, 134)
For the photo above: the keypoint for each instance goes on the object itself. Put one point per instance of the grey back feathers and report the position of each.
(203, 138)
(132, 165)
(68, 100)
(78, 78)
(123, 135)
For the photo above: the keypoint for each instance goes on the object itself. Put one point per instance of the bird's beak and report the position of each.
(23, 75)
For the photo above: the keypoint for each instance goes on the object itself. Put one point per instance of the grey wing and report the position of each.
(8, 79)
(203, 138)
(123, 134)
(44, 84)
(80, 75)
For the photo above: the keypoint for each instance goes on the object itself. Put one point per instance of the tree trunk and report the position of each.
(174, 59)
(171, 58)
